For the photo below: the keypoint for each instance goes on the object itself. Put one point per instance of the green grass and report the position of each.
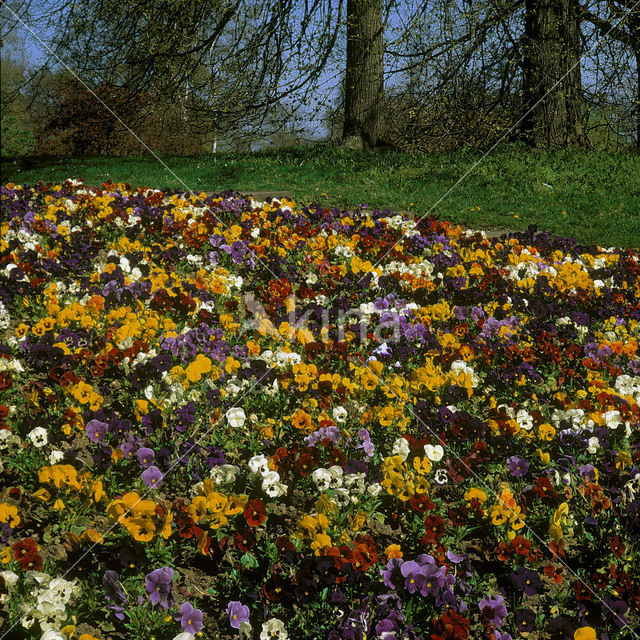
(510, 189)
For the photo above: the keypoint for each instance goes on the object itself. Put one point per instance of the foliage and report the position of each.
(108, 120)
(16, 140)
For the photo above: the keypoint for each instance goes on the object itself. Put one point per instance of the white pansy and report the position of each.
(38, 578)
(339, 414)
(273, 629)
(274, 489)
(284, 358)
(64, 589)
(374, 489)
(435, 453)
(336, 474)
(236, 417)
(270, 477)
(342, 497)
(627, 385)
(576, 417)
(594, 445)
(354, 482)
(259, 464)
(9, 441)
(11, 365)
(232, 389)
(460, 366)
(185, 635)
(272, 389)
(27, 620)
(441, 476)
(38, 436)
(224, 473)
(400, 448)
(524, 419)
(322, 479)
(612, 418)
(10, 579)
(48, 613)
(629, 491)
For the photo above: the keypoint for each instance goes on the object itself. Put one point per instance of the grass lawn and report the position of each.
(592, 196)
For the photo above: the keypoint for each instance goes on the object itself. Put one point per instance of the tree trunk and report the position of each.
(637, 53)
(552, 86)
(364, 80)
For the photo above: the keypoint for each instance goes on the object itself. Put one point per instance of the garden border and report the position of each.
(492, 234)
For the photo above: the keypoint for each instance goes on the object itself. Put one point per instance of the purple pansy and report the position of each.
(190, 618)
(493, 610)
(526, 580)
(238, 613)
(152, 476)
(518, 466)
(525, 620)
(392, 568)
(145, 456)
(95, 430)
(158, 584)
(414, 576)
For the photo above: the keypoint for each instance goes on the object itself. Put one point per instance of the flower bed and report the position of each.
(240, 419)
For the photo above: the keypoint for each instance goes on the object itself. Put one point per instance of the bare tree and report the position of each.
(224, 63)
(619, 20)
(437, 74)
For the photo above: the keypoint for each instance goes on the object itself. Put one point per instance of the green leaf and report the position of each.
(249, 560)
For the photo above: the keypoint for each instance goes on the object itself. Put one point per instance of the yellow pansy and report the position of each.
(9, 514)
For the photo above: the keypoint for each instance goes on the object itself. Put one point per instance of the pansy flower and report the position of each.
(152, 477)
(190, 618)
(158, 584)
(254, 512)
(238, 613)
(526, 580)
(145, 456)
(493, 611)
(96, 430)
(525, 620)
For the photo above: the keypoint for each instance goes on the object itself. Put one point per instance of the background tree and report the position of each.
(17, 122)
(619, 20)
(454, 71)
(226, 62)
(434, 75)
